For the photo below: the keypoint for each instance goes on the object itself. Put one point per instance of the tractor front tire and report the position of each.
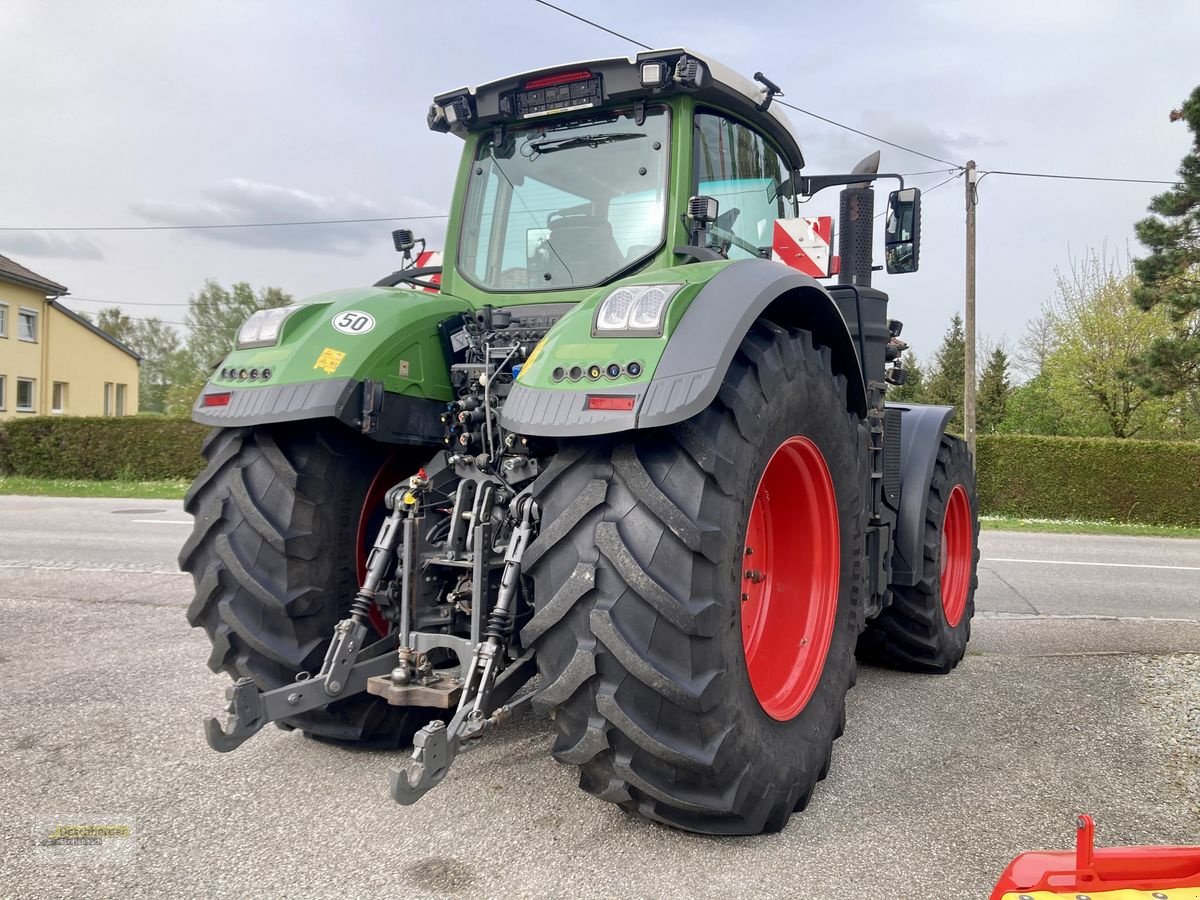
(926, 627)
(673, 606)
(272, 553)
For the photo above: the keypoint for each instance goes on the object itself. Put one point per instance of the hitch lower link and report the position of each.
(350, 665)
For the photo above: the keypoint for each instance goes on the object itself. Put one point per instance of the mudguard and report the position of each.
(697, 354)
(389, 378)
(921, 431)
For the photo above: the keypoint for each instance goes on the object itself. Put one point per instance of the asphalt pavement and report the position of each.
(1079, 693)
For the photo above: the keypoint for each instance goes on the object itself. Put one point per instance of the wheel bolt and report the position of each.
(754, 576)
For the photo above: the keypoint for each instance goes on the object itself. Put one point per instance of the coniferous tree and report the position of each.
(1170, 275)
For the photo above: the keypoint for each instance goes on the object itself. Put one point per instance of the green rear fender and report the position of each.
(387, 336)
(681, 370)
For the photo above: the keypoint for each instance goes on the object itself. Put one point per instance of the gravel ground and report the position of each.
(1171, 685)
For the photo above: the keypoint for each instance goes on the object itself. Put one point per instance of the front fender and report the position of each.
(698, 352)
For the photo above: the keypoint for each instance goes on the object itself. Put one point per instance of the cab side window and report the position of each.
(735, 164)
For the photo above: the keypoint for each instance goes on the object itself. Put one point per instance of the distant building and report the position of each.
(53, 362)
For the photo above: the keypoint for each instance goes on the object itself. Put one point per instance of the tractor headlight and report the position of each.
(263, 327)
(635, 311)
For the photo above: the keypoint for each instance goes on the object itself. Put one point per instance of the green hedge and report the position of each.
(1156, 482)
(1104, 479)
(78, 447)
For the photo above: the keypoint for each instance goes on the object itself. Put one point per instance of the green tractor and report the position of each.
(623, 440)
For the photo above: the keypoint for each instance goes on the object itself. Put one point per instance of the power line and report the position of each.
(1078, 177)
(866, 134)
(124, 302)
(224, 225)
(567, 12)
(625, 37)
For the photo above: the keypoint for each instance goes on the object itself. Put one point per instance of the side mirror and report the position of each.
(902, 231)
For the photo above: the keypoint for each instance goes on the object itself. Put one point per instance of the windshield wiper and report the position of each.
(583, 140)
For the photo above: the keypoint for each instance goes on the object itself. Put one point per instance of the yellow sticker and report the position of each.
(329, 360)
(533, 354)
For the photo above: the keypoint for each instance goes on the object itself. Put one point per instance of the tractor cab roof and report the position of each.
(530, 97)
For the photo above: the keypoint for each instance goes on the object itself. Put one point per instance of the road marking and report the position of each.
(1068, 562)
(76, 566)
(996, 615)
(161, 521)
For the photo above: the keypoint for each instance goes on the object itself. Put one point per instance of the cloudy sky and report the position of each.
(150, 112)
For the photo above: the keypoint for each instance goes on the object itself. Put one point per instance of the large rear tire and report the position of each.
(927, 625)
(669, 703)
(272, 552)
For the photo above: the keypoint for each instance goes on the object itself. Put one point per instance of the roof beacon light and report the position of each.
(654, 74)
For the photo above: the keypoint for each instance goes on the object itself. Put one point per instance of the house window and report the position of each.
(25, 394)
(108, 398)
(120, 399)
(27, 324)
(3, 393)
(59, 402)
(3, 320)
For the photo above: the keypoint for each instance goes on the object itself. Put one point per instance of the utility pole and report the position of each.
(969, 317)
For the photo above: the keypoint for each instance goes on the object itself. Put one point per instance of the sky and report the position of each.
(166, 112)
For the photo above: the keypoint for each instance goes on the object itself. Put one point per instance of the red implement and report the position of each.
(1159, 871)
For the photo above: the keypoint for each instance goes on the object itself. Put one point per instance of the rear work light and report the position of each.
(221, 399)
(611, 404)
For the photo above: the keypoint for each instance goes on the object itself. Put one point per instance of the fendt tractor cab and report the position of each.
(623, 438)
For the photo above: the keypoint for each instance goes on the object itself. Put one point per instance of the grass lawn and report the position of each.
(65, 487)
(175, 489)
(1075, 526)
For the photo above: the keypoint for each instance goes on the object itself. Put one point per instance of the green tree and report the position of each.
(215, 315)
(1034, 408)
(1170, 275)
(164, 361)
(115, 323)
(947, 377)
(913, 389)
(994, 391)
(1099, 332)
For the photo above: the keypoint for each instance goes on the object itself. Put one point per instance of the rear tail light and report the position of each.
(611, 404)
(546, 81)
(221, 399)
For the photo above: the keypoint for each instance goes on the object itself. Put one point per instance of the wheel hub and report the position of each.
(790, 578)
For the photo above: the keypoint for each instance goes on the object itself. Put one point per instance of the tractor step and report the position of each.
(441, 692)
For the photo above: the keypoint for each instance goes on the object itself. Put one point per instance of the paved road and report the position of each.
(1078, 693)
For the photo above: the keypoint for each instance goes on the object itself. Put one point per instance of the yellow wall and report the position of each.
(66, 352)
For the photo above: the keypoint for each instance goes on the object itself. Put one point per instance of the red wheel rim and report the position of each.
(370, 518)
(790, 578)
(957, 553)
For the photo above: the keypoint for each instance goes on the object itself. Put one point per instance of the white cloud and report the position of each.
(51, 244)
(236, 201)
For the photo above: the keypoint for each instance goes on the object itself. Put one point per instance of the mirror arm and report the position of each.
(807, 185)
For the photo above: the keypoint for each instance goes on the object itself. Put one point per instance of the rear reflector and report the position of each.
(615, 404)
(216, 399)
(561, 78)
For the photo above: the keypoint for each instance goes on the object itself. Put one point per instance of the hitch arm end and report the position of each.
(245, 717)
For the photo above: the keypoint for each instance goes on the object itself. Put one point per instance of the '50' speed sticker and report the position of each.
(353, 322)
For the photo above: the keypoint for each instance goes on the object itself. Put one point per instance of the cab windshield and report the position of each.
(566, 206)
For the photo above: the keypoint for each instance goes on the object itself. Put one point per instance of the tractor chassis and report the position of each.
(397, 667)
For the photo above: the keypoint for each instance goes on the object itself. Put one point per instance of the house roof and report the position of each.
(92, 328)
(18, 274)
